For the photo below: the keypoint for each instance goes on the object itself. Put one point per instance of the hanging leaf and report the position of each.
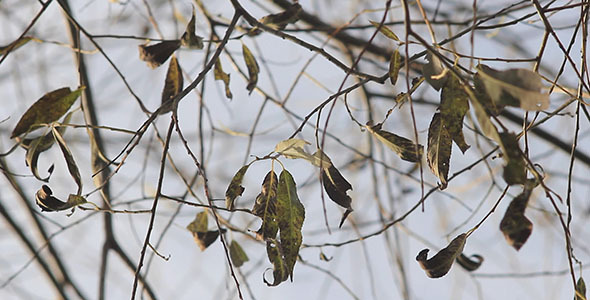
(515, 226)
(49, 108)
(434, 71)
(45, 200)
(252, 68)
(514, 87)
(515, 169)
(220, 75)
(440, 264)
(265, 207)
(482, 97)
(293, 149)
(402, 97)
(235, 187)
(290, 216)
(189, 38)
(395, 63)
(237, 254)
(15, 45)
(470, 264)
(439, 150)
(385, 31)
(172, 85)
(454, 104)
(406, 149)
(335, 185)
(324, 257)
(280, 20)
(203, 237)
(157, 54)
(280, 271)
(485, 124)
(71, 163)
(581, 289)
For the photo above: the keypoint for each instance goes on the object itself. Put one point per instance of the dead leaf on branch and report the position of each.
(219, 74)
(515, 169)
(454, 104)
(515, 226)
(580, 289)
(47, 109)
(280, 20)
(189, 38)
(47, 202)
(395, 64)
(405, 148)
(440, 264)
(157, 54)
(199, 228)
(439, 150)
(275, 256)
(252, 66)
(265, 207)
(173, 84)
(468, 263)
(514, 87)
(385, 31)
(235, 187)
(335, 185)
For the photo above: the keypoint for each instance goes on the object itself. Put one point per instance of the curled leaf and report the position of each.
(221, 75)
(70, 162)
(189, 38)
(514, 87)
(395, 63)
(335, 185)
(434, 71)
(275, 256)
(405, 148)
(515, 226)
(454, 104)
(515, 168)
(468, 263)
(265, 207)
(47, 109)
(253, 68)
(237, 254)
(440, 264)
(47, 202)
(157, 54)
(290, 216)
(385, 31)
(293, 149)
(439, 150)
(280, 20)
(173, 84)
(235, 187)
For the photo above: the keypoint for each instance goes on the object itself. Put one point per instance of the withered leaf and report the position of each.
(335, 185)
(395, 63)
(385, 31)
(468, 263)
(515, 168)
(34, 148)
(290, 216)
(189, 38)
(47, 202)
(265, 207)
(440, 264)
(252, 66)
(434, 71)
(484, 99)
(280, 271)
(515, 226)
(172, 85)
(15, 45)
(293, 149)
(514, 87)
(454, 104)
(280, 20)
(47, 109)
(219, 74)
(70, 162)
(235, 187)
(202, 236)
(439, 150)
(580, 289)
(405, 148)
(237, 254)
(157, 54)
(483, 119)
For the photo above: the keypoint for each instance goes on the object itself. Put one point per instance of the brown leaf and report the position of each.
(280, 20)
(157, 54)
(265, 207)
(440, 264)
(70, 162)
(252, 66)
(235, 187)
(172, 85)
(470, 264)
(515, 226)
(202, 236)
(46, 201)
(49, 108)
(335, 185)
(439, 150)
(515, 169)
(189, 38)
(454, 104)
(405, 148)
(221, 75)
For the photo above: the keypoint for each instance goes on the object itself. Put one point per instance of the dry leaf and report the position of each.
(439, 150)
(440, 264)
(157, 54)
